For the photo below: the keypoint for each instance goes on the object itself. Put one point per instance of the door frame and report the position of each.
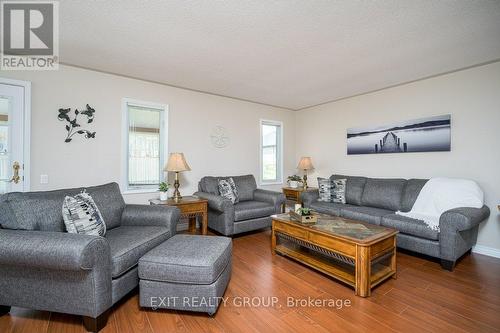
(26, 85)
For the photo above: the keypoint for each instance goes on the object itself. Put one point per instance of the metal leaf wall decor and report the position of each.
(73, 127)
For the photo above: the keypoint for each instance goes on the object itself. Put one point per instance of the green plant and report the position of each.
(294, 178)
(164, 187)
(304, 211)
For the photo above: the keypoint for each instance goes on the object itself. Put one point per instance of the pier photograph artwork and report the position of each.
(417, 135)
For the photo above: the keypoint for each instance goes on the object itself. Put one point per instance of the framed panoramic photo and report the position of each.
(417, 135)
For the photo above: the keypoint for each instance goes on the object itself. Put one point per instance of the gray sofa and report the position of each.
(44, 268)
(376, 201)
(251, 213)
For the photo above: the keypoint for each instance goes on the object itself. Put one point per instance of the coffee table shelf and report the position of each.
(344, 274)
(359, 254)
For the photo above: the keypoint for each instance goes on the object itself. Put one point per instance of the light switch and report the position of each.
(44, 179)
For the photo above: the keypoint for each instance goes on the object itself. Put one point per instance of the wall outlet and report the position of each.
(44, 179)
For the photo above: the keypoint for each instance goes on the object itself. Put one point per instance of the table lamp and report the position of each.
(177, 163)
(305, 164)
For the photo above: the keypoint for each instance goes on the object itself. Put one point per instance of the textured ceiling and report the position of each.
(287, 53)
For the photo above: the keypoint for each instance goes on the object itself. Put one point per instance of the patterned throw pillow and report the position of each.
(326, 188)
(332, 190)
(81, 215)
(227, 189)
(338, 194)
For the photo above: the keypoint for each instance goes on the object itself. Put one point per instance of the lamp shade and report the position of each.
(305, 164)
(177, 163)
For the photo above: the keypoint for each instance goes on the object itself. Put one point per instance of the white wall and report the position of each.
(472, 97)
(192, 116)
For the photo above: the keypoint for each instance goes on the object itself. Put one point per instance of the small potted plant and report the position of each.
(293, 181)
(303, 215)
(304, 211)
(163, 188)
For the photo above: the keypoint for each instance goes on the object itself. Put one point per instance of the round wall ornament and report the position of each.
(219, 137)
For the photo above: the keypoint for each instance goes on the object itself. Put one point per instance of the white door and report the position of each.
(14, 113)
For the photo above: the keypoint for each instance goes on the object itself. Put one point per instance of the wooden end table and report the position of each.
(293, 193)
(191, 207)
(359, 254)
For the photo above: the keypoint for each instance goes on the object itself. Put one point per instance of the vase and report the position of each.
(163, 196)
(294, 184)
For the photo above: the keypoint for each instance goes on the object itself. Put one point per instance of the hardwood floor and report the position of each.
(424, 298)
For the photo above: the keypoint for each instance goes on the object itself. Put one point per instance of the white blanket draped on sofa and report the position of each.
(441, 194)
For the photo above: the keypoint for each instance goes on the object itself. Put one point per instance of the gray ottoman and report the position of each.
(186, 272)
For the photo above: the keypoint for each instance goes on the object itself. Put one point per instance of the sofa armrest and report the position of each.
(308, 197)
(277, 199)
(51, 250)
(463, 218)
(216, 202)
(151, 215)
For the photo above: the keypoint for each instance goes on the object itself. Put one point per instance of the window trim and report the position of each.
(279, 145)
(125, 141)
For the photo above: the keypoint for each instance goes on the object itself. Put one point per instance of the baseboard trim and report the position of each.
(486, 250)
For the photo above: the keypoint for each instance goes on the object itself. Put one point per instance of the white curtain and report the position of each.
(144, 158)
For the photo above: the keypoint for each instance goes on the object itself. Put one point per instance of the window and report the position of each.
(271, 143)
(145, 144)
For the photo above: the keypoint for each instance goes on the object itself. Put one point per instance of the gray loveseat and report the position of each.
(375, 201)
(44, 268)
(251, 213)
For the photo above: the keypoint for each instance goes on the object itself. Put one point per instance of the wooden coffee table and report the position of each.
(359, 254)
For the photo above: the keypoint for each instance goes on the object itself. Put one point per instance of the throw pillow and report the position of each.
(81, 215)
(227, 189)
(338, 194)
(332, 190)
(326, 188)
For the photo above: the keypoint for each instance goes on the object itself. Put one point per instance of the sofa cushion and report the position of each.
(39, 210)
(252, 209)
(109, 200)
(129, 243)
(187, 259)
(7, 217)
(209, 184)
(410, 193)
(409, 226)
(43, 210)
(330, 208)
(354, 188)
(365, 214)
(383, 193)
(246, 185)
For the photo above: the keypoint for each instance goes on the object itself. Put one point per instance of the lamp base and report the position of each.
(177, 195)
(305, 180)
